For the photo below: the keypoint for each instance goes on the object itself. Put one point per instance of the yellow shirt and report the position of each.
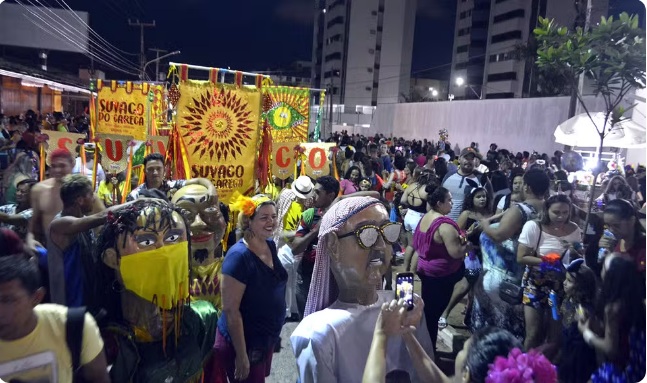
(292, 217)
(105, 192)
(43, 356)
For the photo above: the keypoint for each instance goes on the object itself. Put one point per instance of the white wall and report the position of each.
(515, 124)
(637, 156)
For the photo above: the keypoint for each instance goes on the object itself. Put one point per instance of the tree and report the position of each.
(544, 82)
(612, 55)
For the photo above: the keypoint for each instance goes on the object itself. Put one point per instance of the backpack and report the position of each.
(74, 324)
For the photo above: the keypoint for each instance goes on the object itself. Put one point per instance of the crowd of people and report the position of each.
(167, 283)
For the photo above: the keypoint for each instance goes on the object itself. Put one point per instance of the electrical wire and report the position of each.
(140, 7)
(98, 48)
(113, 55)
(72, 43)
(66, 39)
(92, 31)
(117, 58)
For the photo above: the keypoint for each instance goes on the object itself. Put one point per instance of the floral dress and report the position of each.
(499, 263)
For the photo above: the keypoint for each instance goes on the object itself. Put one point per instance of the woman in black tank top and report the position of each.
(414, 198)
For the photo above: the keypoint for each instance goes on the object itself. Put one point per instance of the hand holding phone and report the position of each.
(404, 288)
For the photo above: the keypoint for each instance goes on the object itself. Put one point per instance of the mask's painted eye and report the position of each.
(284, 116)
(145, 240)
(172, 238)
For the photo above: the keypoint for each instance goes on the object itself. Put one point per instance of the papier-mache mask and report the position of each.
(165, 282)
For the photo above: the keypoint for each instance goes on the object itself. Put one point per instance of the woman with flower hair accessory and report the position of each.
(472, 364)
(253, 296)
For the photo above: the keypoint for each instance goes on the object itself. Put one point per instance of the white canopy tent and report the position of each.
(580, 131)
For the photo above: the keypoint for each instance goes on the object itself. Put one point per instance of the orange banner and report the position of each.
(283, 161)
(62, 140)
(317, 158)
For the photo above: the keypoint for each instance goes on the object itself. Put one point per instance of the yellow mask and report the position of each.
(160, 276)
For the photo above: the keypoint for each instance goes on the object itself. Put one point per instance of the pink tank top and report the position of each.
(434, 260)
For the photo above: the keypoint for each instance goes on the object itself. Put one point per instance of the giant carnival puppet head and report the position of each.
(355, 238)
(205, 220)
(144, 246)
(207, 225)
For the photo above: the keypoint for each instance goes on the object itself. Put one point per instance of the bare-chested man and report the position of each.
(45, 197)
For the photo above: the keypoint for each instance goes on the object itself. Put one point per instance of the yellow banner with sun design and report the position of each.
(287, 111)
(219, 126)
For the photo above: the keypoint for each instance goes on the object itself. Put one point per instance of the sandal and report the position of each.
(442, 323)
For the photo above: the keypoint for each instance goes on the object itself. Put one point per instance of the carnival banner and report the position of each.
(157, 144)
(287, 111)
(283, 159)
(126, 108)
(114, 158)
(62, 140)
(219, 127)
(317, 158)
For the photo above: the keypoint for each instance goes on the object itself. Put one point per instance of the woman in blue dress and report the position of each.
(499, 248)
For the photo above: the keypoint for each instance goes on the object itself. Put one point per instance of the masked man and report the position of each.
(207, 225)
(354, 248)
(152, 332)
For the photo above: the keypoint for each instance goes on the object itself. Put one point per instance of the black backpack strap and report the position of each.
(74, 336)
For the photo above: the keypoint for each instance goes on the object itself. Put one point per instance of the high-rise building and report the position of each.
(362, 50)
(487, 39)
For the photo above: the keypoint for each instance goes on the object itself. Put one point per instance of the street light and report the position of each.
(157, 60)
(461, 81)
(434, 93)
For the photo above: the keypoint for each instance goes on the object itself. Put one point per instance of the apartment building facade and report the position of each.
(487, 58)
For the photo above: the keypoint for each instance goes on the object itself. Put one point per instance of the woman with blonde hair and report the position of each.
(253, 296)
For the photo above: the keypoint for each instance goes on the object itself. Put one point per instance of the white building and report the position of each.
(362, 53)
(487, 34)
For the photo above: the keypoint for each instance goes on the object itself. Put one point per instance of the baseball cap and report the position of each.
(473, 151)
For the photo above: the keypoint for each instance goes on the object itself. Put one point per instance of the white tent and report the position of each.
(580, 131)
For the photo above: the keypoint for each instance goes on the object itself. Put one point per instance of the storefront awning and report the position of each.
(28, 80)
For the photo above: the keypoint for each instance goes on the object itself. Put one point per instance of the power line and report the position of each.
(42, 9)
(66, 39)
(142, 49)
(92, 31)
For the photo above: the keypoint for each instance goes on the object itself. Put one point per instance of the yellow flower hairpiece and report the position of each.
(247, 205)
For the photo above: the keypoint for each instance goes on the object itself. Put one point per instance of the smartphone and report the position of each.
(404, 288)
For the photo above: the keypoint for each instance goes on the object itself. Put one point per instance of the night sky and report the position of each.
(259, 34)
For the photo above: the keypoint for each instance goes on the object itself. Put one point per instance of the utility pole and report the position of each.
(141, 48)
(157, 62)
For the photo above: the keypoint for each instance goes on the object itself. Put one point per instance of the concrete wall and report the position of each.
(515, 124)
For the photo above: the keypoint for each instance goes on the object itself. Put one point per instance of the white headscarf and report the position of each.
(323, 288)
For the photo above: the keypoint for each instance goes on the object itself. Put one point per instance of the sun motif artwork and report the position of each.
(286, 110)
(218, 125)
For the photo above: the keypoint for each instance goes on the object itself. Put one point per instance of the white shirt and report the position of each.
(89, 166)
(332, 345)
(548, 243)
(456, 185)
